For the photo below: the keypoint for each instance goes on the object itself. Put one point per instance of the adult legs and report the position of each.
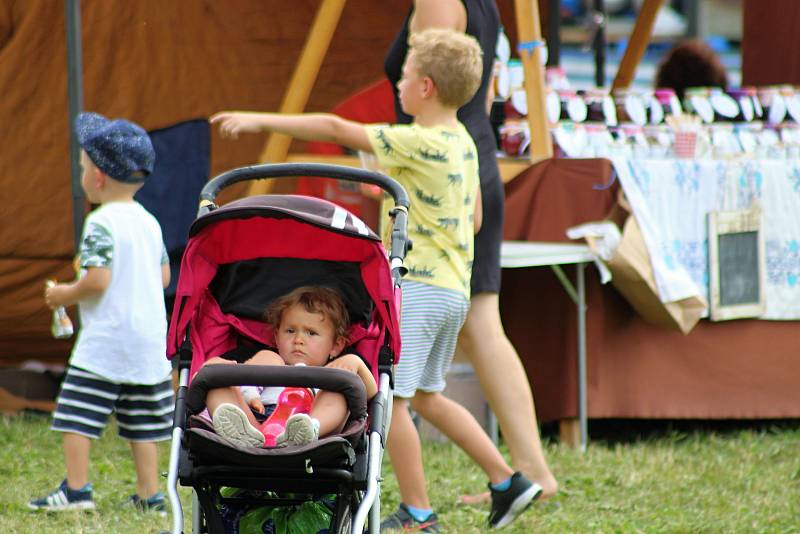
(503, 380)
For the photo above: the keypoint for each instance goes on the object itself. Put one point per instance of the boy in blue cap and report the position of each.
(118, 363)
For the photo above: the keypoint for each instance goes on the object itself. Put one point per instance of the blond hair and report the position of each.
(314, 299)
(451, 59)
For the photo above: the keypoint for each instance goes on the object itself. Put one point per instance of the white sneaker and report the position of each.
(300, 430)
(231, 423)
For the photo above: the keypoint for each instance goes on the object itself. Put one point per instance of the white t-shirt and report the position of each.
(123, 331)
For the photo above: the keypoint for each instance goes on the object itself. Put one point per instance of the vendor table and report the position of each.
(515, 254)
(742, 369)
(672, 198)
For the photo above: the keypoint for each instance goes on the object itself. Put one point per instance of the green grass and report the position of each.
(741, 479)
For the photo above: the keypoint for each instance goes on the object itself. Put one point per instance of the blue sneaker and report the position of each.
(65, 498)
(156, 503)
(403, 521)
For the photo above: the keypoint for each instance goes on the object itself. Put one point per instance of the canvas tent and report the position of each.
(160, 64)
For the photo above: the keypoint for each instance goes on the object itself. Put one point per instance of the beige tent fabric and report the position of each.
(156, 63)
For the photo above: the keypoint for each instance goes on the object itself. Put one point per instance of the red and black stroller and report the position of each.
(239, 257)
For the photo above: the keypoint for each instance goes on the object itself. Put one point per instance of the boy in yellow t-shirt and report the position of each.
(436, 161)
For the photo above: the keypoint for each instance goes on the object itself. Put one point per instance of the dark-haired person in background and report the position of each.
(691, 63)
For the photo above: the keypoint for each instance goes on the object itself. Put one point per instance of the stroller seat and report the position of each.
(238, 259)
(337, 450)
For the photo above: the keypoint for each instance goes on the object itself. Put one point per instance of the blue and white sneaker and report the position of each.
(157, 503)
(64, 499)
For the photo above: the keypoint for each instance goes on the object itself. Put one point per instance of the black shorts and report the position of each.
(486, 264)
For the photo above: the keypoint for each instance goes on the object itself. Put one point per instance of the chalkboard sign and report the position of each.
(736, 264)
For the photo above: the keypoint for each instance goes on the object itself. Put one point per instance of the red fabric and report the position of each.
(374, 103)
(232, 240)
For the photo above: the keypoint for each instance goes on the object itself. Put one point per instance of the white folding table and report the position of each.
(539, 254)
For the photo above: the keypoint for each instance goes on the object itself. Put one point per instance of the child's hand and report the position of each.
(256, 404)
(56, 295)
(232, 123)
(354, 364)
(348, 362)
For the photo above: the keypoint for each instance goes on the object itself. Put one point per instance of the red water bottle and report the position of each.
(290, 401)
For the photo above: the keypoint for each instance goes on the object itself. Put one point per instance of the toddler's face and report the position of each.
(306, 337)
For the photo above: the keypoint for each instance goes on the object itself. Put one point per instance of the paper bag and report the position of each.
(633, 277)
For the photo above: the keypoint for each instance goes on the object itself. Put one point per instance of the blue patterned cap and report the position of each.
(119, 148)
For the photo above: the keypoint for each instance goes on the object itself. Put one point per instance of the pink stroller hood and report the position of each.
(273, 226)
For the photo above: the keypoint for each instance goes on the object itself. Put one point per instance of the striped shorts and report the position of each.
(143, 412)
(430, 320)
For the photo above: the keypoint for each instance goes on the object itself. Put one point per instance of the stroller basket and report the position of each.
(240, 257)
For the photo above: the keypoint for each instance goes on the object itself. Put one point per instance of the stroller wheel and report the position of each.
(343, 515)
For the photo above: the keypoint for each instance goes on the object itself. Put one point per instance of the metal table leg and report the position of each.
(578, 296)
(582, 400)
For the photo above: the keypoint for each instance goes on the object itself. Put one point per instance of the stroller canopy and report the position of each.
(249, 251)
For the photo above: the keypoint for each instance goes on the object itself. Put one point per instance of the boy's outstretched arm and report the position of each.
(92, 284)
(305, 126)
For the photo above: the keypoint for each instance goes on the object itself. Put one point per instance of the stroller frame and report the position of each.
(361, 482)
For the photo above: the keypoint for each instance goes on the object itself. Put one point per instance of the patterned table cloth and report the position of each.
(672, 198)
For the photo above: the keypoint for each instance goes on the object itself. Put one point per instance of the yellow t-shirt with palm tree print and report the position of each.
(438, 166)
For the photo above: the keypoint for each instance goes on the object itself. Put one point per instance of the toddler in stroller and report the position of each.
(310, 328)
(241, 257)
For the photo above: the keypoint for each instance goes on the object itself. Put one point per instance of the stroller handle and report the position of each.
(282, 170)
(400, 243)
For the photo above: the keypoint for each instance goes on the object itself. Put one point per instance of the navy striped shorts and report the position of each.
(430, 320)
(143, 412)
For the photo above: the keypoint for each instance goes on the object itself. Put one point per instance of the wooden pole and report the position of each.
(529, 34)
(299, 89)
(637, 44)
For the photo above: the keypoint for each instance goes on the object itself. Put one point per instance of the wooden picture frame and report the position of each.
(736, 264)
